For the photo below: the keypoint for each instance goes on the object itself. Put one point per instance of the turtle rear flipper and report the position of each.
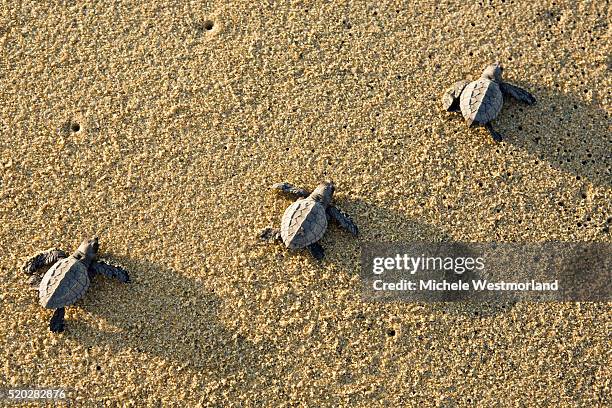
(316, 251)
(517, 93)
(56, 324)
(270, 234)
(291, 190)
(34, 281)
(342, 219)
(109, 270)
(450, 99)
(494, 134)
(42, 259)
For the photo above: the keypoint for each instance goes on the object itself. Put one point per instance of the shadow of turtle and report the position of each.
(567, 132)
(166, 316)
(383, 225)
(375, 224)
(583, 270)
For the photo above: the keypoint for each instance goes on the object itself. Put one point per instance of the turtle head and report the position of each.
(324, 192)
(88, 248)
(493, 72)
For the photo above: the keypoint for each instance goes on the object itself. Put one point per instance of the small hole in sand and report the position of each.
(208, 25)
(75, 127)
(390, 332)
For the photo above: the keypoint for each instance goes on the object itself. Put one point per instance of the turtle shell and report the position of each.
(481, 101)
(304, 222)
(63, 284)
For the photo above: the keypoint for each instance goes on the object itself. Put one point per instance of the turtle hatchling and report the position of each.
(481, 101)
(68, 278)
(305, 221)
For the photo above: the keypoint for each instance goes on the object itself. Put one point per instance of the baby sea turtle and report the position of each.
(481, 101)
(68, 278)
(305, 221)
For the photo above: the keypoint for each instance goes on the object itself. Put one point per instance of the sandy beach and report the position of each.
(161, 125)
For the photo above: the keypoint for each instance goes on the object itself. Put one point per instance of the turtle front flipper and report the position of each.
(109, 270)
(56, 324)
(517, 93)
(42, 259)
(291, 190)
(494, 134)
(343, 219)
(317, 251)
(450, 99)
